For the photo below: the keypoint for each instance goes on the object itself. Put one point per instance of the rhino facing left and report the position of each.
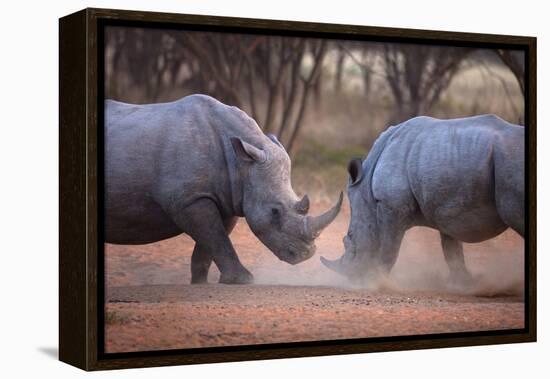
(194, 166)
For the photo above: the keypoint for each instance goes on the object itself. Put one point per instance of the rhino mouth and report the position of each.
(304, 248)
(294, 256)
(294, 241)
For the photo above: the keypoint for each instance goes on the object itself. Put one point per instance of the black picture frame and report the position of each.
(81, 291)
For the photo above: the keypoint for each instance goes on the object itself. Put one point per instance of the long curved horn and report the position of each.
(335, 265)
(314, 225)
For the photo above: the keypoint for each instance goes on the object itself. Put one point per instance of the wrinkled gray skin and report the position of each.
(463, 177)
(193, 166)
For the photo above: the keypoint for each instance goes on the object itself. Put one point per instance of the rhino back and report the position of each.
(444, 170)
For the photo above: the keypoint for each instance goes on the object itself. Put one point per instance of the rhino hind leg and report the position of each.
(454, 256)
(203, 222)
(201, 260)
(200, 265)
(511, 209)
(510, 186)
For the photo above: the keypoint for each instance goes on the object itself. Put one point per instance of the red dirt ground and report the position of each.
(151, 306)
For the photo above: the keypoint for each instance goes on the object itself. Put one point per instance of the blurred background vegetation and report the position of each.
(326, 100)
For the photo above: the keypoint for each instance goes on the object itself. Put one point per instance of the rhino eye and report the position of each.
(276, 217)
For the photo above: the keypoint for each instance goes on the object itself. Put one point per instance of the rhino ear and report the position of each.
(248, 152)
(355, 170)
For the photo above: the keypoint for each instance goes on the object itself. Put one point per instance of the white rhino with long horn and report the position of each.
(194, 166)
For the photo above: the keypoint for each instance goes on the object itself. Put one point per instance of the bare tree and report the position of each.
(339, 69)
(273, 71)
(418, 74)
(309, 80)
(364, 55)
(217, 69)
(514, 60)
(271, 76)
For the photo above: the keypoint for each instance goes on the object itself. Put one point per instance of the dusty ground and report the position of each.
(151, 306)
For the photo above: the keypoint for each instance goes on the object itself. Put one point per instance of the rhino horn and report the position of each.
(334, 265)
(314, 225)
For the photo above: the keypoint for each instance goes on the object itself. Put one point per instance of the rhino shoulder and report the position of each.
(372, 160)
(199, 99)
(216, 106)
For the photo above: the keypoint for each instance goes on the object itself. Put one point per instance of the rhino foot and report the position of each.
(199, 279)
(242, 277)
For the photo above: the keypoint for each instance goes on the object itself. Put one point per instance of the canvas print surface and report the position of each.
(265, 189)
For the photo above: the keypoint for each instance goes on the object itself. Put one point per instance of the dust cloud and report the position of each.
(496, 265)
(497, 268)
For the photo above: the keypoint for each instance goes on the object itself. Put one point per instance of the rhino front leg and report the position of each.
(201, 260)
(454, 256)
(393, 224)
(203, 222)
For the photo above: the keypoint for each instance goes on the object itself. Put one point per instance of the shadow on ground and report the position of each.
(50, 351)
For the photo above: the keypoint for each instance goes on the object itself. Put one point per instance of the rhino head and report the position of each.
(272, 209)
(361, 259)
